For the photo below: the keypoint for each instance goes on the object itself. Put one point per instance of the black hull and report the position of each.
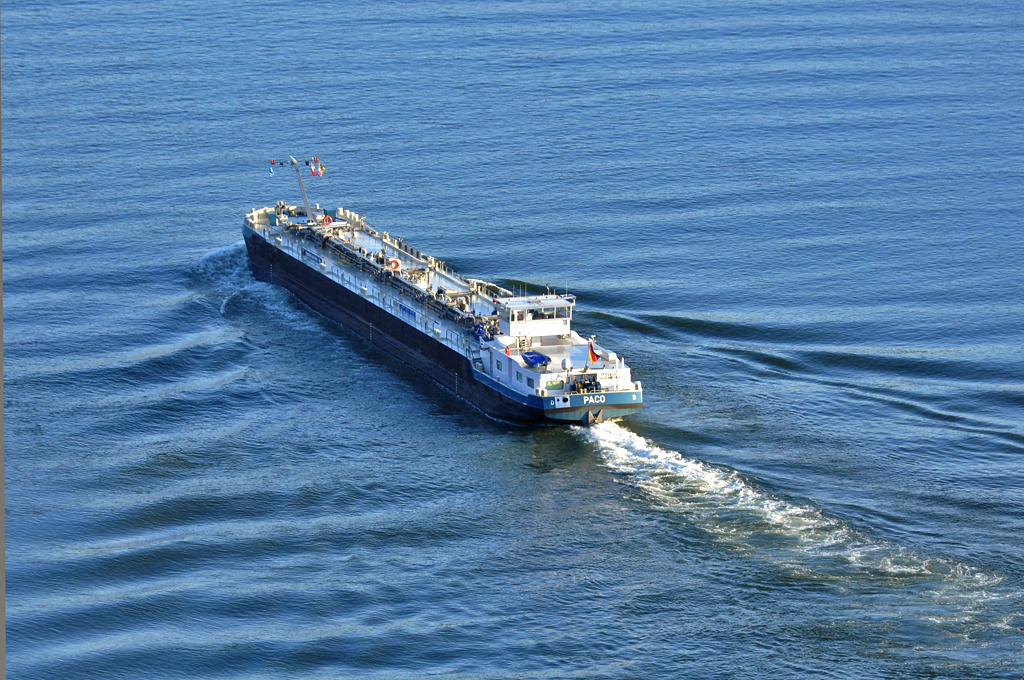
(442, 364)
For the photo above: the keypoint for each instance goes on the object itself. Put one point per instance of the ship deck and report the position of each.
(424, 272)
(486, 324)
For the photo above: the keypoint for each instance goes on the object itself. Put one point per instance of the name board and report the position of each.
(312, 256)
(407, 311)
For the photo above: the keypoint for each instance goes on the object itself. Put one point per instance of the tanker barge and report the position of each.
(514, 357)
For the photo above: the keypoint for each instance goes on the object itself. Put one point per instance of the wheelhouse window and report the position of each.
(529, 382)
(519, 376)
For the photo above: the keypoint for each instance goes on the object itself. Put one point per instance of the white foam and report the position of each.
(798, 537)
(230, 250)
(225, 268)
(225, 276)
(703, 490)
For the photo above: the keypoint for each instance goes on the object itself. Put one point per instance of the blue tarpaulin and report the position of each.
(535, 359)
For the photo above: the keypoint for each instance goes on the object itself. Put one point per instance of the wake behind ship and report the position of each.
(514, 357)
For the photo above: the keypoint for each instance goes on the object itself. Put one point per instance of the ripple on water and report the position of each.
(805, 544)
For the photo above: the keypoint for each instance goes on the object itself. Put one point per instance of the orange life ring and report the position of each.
(507, 352)
(327, 219)
(395, 264)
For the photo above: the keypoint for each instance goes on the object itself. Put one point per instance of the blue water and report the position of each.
(799, 222)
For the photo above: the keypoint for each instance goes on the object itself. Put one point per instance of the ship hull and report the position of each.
(448, 368)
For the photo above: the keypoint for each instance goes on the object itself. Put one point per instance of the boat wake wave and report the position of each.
(798, 538)
(965, 608)
(224, 269)
(224, 280)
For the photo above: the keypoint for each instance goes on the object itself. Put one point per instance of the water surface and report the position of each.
(799, 222)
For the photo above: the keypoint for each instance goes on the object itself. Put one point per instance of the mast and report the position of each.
(310, 217)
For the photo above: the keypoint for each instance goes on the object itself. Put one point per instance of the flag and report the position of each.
(593, 355)
(321, 168)
(271, 170)
(312, 169)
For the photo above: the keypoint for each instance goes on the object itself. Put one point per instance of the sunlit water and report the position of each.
(799, 223)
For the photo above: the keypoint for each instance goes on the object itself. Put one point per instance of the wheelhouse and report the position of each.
(535, 316)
